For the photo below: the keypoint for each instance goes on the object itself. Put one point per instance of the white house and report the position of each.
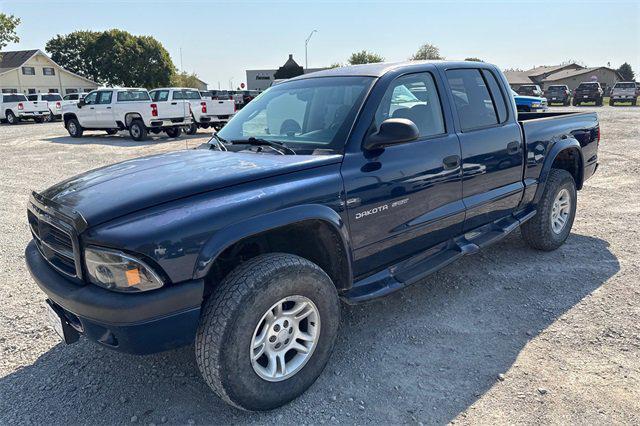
(32, 71)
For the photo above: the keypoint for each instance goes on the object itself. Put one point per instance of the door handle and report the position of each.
(174, 103)
(91, 108)
(513, 147)
(451, 162)
(108, 107)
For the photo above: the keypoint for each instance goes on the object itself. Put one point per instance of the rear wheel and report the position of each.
(611, 102)
(11, 118)
(191, 129)
(551, 225)
(267, 331)
(138, 130)
(50, 117)
(174, 132)
(599, 102)
(38, 120)
(74, 128)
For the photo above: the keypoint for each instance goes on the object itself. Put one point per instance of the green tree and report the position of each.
(336, 65)
(364, 57)
(75, 52)
(426, 51)
(184, 79)
(626, 72)
(8, 25)
(114, 57)
(473, 59)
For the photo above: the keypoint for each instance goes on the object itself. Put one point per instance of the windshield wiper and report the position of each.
(277, 146)
(219, 142)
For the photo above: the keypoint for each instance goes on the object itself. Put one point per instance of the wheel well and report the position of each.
(314, 240)
(67, 117)
(129, 117)
(569, 160)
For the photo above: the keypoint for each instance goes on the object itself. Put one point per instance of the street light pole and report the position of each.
(306, 43)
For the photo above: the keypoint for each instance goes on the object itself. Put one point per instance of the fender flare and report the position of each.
(130, 116)
(230, 235)
(569, 143)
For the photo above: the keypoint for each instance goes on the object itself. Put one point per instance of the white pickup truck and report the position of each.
(205, 112)
(15, 107)
(125, 109)
(73, 98)
(54, 102)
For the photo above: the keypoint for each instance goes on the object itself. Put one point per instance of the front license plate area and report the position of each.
(67, 333)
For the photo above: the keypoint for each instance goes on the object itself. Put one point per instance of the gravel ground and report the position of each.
(509, 335)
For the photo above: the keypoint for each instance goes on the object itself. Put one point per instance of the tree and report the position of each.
(184, 79)
(336, 65)
(473, 59)
(626, 72)
(113, 57)
(427, 51)
(364, 57)
(8, 25)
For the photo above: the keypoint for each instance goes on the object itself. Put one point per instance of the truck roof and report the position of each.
(378, 69)
(175, 88)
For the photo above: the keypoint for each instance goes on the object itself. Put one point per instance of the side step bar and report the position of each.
(417, 267)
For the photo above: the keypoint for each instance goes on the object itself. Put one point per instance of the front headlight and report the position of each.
(118, 271)
(536, 105)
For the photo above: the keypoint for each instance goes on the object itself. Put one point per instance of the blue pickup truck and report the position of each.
(530, 103)
(346, 184)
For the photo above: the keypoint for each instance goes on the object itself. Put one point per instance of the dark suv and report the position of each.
(558, 93)
(588, 92)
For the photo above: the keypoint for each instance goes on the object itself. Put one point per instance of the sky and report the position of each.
(220, 40)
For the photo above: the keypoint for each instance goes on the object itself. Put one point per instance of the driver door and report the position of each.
(87, 113)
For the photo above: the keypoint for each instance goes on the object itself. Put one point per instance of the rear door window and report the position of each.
(191, 94)
(472, 100)
(159, 95)
(178, 95)
(104, 98)
(496, 95)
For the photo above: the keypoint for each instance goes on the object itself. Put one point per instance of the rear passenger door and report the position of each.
(104, 110)
(491, 145)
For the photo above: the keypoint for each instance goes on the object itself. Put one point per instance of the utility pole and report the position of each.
(181, 68)
(306, 44)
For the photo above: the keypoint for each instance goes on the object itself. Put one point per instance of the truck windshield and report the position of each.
(314, 113)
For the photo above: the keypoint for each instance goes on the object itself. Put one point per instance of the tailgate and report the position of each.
(221, 107)
(35, 106)
(173, 109)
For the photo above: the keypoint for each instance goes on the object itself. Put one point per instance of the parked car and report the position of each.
(588, 91)
(54, 103)
(624, 91)
(220, 95)
(125, 109)
(204, 112)
(530, 103)
(237, 98)
(73, 98)
(15, 107)
(349, 183)
(559, 93)
(530, 90)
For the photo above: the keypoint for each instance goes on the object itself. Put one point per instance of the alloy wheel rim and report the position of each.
(285, 338)
(72, 128)
(135, 131)
(560, 211)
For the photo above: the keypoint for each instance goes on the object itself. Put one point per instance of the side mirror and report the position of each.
(81, 103)
(392, 131)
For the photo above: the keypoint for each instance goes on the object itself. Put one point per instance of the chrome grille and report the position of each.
(54, 242)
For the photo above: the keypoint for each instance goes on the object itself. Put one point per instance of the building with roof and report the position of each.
(32, 71)
(263, 79)
(569, 74)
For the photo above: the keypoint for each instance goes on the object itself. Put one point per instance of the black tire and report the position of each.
(38, 120)
(51, 117)
(538, 232)
(205, 125)
(230, 317)
(11, 118)
(611, 102)
(174, 132)
(599, 102)
(112, 131)
(191, 129)
(137, 130)
(575, 102)
(74, 128)
(634, 101)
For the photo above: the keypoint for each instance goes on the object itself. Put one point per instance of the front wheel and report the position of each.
(267, 331)
(191, 129)
(74, 128)
(551, 225)
(174, 132)
(138, 130)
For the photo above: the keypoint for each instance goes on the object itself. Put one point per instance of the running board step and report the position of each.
(426, 263)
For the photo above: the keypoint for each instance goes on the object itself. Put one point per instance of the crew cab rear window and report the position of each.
(32, 97)
(159, 95)
(51, 98)
(588, 86)
(415, 98)
(472, 99)
(625, 86)
(133, 96)
(14, 98)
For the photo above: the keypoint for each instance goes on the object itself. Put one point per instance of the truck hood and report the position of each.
(122, 188)
(529, 98)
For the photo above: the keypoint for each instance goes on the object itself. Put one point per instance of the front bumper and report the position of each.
(140, 323)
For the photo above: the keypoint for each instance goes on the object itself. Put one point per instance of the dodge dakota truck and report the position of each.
(14, 107)
(129, 109)
(344, 184)
(530, 103)
(204, 112)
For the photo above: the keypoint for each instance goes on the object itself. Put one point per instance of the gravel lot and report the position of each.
(509, 335)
